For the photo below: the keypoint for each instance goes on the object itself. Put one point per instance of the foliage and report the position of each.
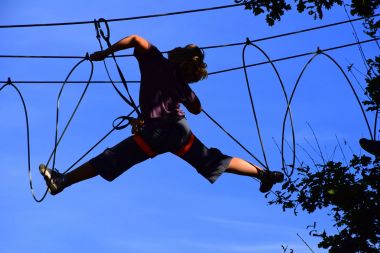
(373, 85)
(373, 80)
(351, 192)
(276, 8)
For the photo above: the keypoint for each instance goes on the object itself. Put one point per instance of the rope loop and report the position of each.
(106, 37)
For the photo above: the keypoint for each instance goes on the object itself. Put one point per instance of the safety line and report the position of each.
(233, 138)
(106, 37)
(215, 72)
(205, 47)
(294, 56)
(123, 19)
(254, 111)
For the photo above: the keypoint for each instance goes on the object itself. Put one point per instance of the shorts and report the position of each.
(161, 136)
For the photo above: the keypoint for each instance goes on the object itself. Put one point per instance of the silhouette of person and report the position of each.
(164, 86)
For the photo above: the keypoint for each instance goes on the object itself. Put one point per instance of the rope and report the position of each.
(321, 52)
(295, 56)
(123, 19)
(215, 72)
(10, 84)
(56, 139)
(205, 47)
(233, 138)
(287, 102)
(115, 127)
(106, 36)
(252, 104)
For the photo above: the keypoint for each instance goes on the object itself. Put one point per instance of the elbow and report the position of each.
(133, 39)
(196, 110)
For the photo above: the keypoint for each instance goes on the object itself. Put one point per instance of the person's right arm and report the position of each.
(132, 41)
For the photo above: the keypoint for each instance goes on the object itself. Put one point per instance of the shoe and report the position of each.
(54, 180)
(269, 178)
(370, 146)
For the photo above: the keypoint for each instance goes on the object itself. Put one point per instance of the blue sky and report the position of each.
(163, 205)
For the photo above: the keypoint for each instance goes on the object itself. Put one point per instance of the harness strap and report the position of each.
(185, 148)
(139, 140)
(144, 146)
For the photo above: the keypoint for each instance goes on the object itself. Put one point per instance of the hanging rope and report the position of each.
(106, 37)
(204, 47)
(317, 53)
(214, 72)
(233, 138)
(119, 123)
(56, 139)
(10, 84)
(284, 166)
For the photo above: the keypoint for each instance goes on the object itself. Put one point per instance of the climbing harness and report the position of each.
(186, 147)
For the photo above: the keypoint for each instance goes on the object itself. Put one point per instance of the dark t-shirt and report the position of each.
(162, 88)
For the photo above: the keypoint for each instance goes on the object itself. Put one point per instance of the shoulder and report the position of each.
(148, 51)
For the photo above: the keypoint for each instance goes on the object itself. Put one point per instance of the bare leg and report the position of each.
(267, 178)
(241, 167)
(83, 172)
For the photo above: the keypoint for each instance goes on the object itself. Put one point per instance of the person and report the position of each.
(164, 86)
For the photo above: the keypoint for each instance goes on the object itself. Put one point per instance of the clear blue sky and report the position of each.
(163, 205)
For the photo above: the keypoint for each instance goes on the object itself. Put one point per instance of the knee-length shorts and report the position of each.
(156, 138)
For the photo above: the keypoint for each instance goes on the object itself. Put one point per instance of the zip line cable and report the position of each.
(124, 19)
(214, 72)
(205, 47)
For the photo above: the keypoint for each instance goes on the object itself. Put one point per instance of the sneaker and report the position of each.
(54, 180)
(370, 146)
(269, 178)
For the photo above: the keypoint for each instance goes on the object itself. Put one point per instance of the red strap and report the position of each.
(144, 146)
(185, 148)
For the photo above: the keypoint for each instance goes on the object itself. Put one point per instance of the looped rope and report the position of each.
(56, 139)
(284, 166)
(136, 124)
(106, 37)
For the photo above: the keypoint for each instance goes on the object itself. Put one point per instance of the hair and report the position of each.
(190, 61)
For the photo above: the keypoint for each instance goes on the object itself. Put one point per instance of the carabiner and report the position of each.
(106, 36)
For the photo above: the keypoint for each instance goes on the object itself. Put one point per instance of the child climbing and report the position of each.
(164, 86)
